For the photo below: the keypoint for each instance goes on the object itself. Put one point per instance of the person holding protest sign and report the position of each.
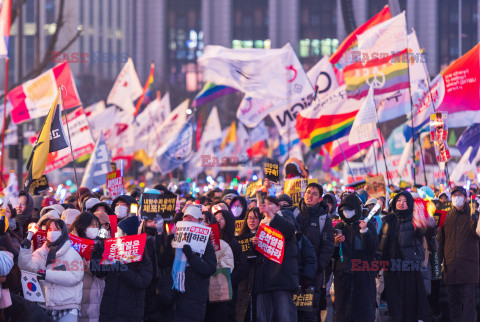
(275, 283)
(356, 243)
(246, 299)
(458, 250)
(401, 246)
(87, 225)
(191, 281)
(314, 223)
(125, 284)
(57, 263)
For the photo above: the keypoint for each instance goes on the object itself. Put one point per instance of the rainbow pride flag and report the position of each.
(329, 120)
(211, 92)
(147, 91)
(388, 74)
(327, 128)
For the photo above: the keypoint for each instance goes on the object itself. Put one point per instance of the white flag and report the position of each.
(407, 154)
(102, 120)
(212, 130)
(364, 127)
(126, 89)
(384, 38)
(98, 166)
(462, 167)
(418, 69)
(259, 133)
(169, 127)
(261, 73)
(95, 108)
(145, 123)
(32, 291)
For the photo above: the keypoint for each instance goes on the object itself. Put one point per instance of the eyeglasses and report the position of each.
(252, 219)
(315, 194)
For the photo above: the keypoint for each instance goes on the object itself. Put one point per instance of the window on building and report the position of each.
(250, 24)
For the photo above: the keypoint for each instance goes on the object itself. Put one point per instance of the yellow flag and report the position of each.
(231, 136)
(142, 156)
(38, 159)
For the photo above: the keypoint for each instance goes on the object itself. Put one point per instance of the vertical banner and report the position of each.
(115, 183)
(270, 243)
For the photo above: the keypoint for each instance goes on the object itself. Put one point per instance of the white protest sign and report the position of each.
(32, 291)
(193, 234)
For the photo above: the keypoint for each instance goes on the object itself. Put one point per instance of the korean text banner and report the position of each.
(127, 249)
(270, 243)
(193, 234)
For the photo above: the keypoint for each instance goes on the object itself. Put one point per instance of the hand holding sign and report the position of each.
(270, 243)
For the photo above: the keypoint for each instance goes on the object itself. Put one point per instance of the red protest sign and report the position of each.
(39, 238)
(113, 224)
(82, 245)
(420, 213)
(115, 183)
(215, 236)
(271, 243)
(127, 249)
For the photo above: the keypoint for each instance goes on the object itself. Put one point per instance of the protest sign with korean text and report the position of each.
(295, 188)
(83, 246)
(115, 183)
(215, 236)
(193, 234)
(271, 170)
(38, 185)
(271, 243)
(155, 204)
(127, 249)
(238, 227)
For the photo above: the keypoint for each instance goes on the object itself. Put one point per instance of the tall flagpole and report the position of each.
(345, 158)
(411, 108)
(69, 138)
(4, 118)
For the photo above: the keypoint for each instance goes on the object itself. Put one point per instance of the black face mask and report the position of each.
(151, 231)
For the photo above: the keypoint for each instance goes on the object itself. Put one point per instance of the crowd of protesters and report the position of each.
(350, 266)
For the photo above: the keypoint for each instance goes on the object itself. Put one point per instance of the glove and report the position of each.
(97, 250)
(42, 273)
(306, 283)
(169, 238)
(26, 243)
(187, 250)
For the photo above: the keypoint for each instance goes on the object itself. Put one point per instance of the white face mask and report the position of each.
(458, 201)
(52, 236)
(237, 211)
(121, 211)
(91, 232)
(348, 213)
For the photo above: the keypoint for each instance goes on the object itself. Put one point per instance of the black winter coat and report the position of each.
(191, 304)
(323, 243)
(124, 295)
(307, 259)
(458, 246)
(270, 276)
(355, 289)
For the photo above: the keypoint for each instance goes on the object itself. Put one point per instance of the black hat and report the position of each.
(459, 189)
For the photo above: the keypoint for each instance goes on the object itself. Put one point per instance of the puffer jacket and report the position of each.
(93, 288)
(63, 288)
(324, 242)
(458, 246)
(225, 256)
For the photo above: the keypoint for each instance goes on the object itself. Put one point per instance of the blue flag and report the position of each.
(470, 137)
(178, 151)
(98, 166)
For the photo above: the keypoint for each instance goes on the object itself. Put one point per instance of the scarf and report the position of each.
(55, 246)
(178, 270)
